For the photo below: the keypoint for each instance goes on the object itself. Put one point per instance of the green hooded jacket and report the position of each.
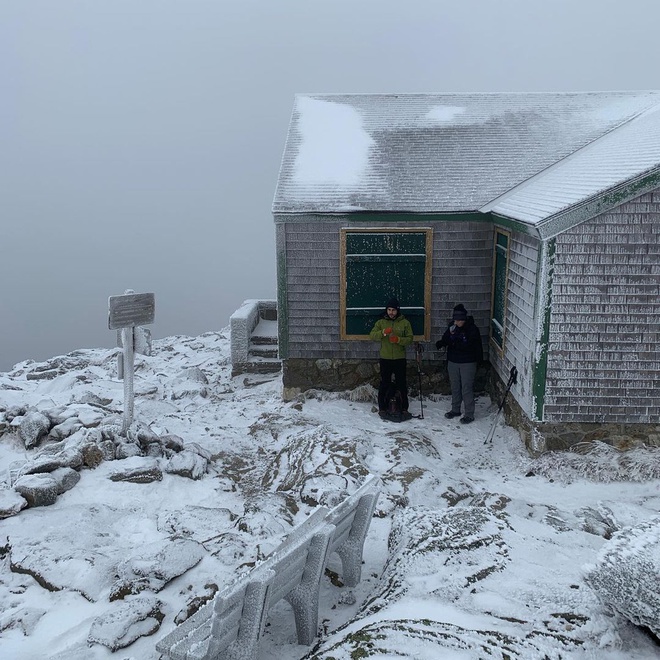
(401, 328)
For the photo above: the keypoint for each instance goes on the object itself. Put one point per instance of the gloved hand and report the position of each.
(387, 331)
(439, 344)
(394, 339)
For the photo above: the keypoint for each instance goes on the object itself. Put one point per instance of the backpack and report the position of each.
(394, 402)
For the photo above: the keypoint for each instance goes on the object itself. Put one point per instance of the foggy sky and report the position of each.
(140, 140)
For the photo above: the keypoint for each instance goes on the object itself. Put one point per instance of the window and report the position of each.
(500, 278)
(377, 264)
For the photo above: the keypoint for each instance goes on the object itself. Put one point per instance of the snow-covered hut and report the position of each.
(540, 212)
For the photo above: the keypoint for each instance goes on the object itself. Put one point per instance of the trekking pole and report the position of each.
(513, 379)
(419, 349)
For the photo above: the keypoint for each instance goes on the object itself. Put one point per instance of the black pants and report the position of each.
(387, 368)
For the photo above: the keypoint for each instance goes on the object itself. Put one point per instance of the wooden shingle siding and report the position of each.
(520, 319)
(461, 273)
(604, 355)
(312, 254)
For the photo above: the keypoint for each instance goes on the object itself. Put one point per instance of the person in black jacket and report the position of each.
(464, 352)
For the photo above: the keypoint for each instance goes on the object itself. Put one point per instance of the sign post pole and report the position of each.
(129, 398)
(124, 313)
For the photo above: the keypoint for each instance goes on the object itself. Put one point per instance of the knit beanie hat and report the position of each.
(393, 302)
(460, 313)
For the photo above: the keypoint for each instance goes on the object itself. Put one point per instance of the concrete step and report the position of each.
(265, 332)
(262, 350)
(262, 366)
(263, 341)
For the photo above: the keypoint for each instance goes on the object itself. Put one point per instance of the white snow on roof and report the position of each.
(445, 112)
(338, 156)
(436, 153)
(620, 155)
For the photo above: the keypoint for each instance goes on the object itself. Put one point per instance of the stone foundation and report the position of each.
(547, 436)
(338, 375)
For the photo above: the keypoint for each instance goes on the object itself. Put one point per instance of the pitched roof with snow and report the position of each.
(625, 154)
(523, 155)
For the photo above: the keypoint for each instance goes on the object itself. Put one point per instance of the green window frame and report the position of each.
(501, 245)
(377, 264)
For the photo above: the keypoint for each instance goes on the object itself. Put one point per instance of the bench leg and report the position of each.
(246, 644)
(304, 598)
(351, 551)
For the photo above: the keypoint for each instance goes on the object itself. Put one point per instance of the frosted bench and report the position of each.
(230, 626)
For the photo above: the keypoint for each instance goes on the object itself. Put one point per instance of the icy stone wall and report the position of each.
(242, 323)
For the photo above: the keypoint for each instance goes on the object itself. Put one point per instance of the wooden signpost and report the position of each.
(125, 313)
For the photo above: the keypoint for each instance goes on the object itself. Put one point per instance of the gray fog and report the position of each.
(140, 141)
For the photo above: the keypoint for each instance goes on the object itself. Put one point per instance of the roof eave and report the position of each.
(599, 203)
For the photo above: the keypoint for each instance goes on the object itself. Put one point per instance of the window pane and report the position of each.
(380, 265)
(499, 287)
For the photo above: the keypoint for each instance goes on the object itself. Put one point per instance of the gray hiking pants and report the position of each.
(461, 377)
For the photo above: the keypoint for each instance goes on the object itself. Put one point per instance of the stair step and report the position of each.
(263, 367)
(263, 351)
(265, 330)
(263, 341)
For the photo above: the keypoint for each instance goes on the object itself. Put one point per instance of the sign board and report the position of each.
(130, 310)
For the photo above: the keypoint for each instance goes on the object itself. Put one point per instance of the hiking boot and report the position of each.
(451, 414)
(466, 420)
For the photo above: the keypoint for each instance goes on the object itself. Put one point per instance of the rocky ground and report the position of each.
(108, 540)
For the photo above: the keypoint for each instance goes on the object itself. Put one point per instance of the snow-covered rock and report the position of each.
(126, 621)
(154, 565)
(136, 469)
(38, 489)
(11, 502)
(626, 575)
(33, 427)
(187, 464)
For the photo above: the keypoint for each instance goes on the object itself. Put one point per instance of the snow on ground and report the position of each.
(472, 553)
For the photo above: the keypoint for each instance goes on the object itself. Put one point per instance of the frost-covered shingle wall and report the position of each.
(312, 289)
(520, 332)
(604, 354)
(462, 271)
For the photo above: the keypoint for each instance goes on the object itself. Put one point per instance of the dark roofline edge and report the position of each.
(382, 216)
(546, 229)
(407, 217)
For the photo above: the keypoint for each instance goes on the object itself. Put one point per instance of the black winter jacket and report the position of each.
(463, 344)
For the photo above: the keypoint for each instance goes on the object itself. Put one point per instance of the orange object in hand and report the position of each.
(394, 339)
(387, 331)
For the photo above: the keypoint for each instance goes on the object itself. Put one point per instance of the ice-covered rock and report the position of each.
(626, 575)
(154, 565)
(173, 442)
(66, 478)
(137, 470)
(127, 450)
(187, 464)
(38, 489)
(126, 621)
(33, 427)
(190, 383)
(11, 502)
(46, 551)
(24, 620)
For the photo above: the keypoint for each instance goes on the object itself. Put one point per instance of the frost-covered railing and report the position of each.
(242, 323)
(230, 626)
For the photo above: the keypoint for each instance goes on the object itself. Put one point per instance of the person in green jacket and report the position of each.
(394, 333)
